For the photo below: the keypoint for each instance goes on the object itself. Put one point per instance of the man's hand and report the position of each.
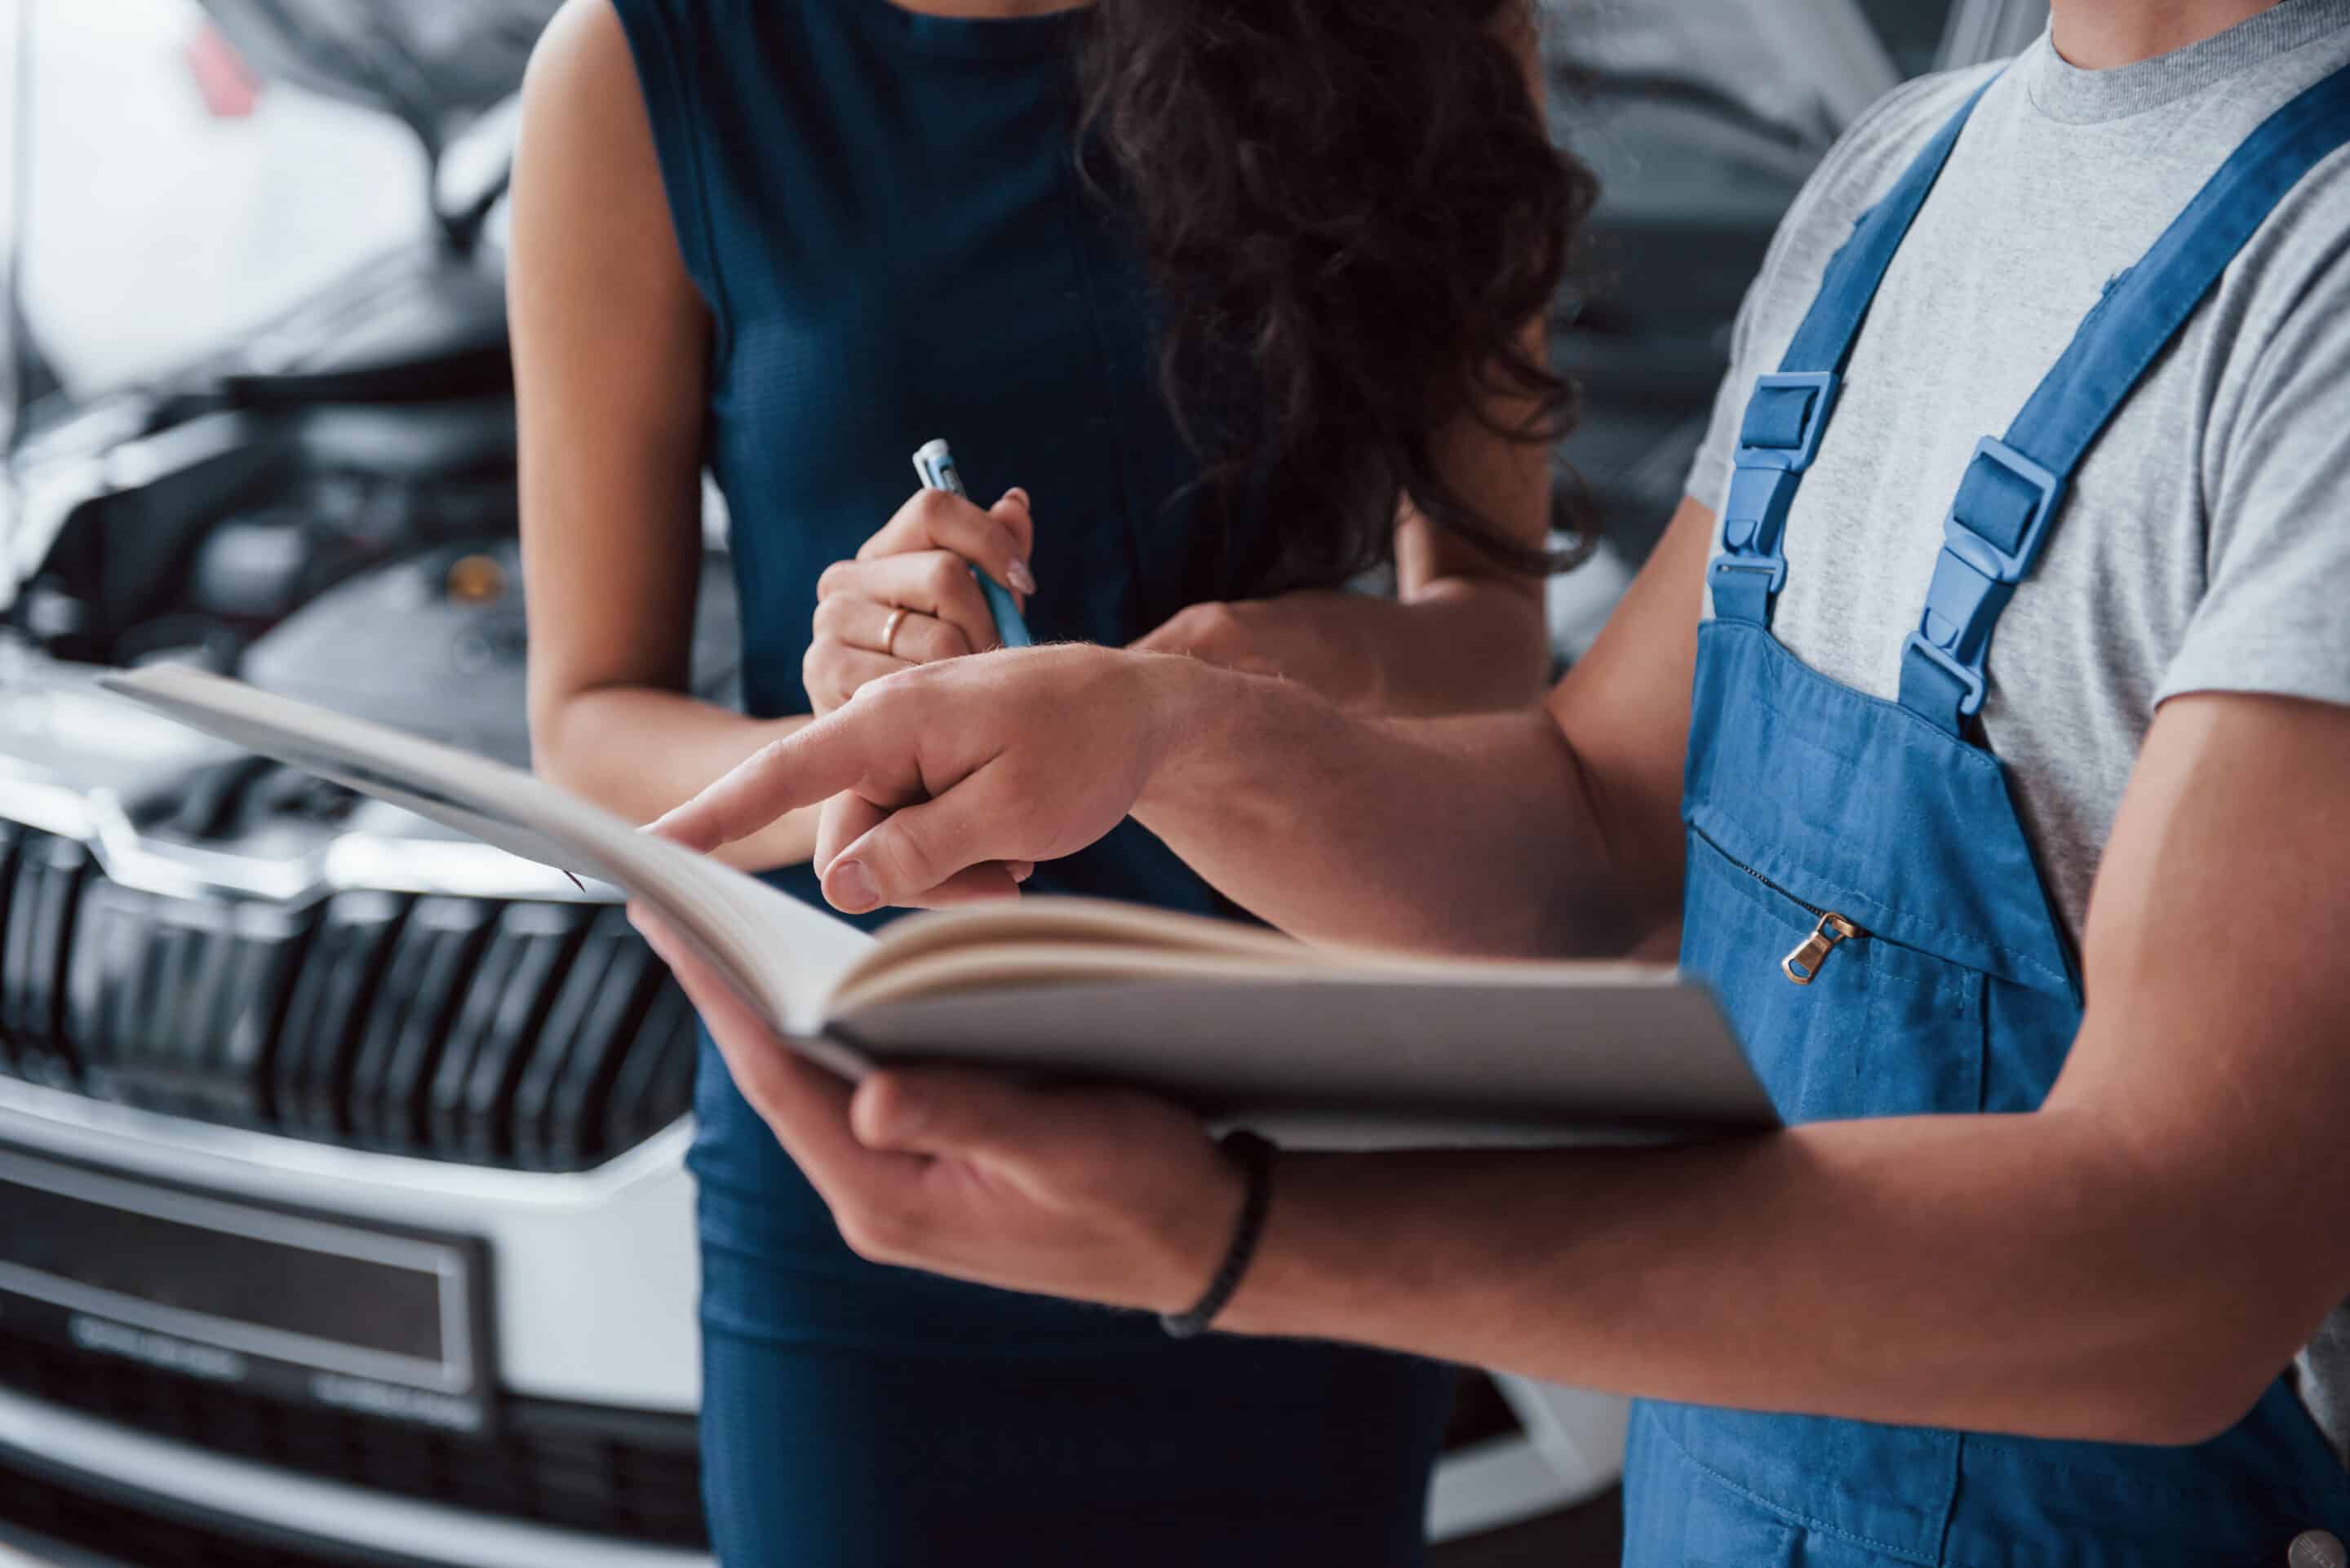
(1296, 638)
(952, 779)
(1101, 1197)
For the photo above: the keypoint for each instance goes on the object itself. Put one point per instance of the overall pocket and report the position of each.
(1839, 1021)
(1857, 1026)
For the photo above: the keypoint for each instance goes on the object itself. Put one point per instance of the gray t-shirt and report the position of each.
(2206, 542)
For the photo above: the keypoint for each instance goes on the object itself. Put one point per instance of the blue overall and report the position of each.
(1864, 899)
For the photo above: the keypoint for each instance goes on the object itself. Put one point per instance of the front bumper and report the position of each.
(159, 1495)
(592, 1274)
(592, 1280)
(591, 1290)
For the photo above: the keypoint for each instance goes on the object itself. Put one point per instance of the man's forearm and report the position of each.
(1460, 646)
(2136, 1260)
(1466, 836)
(2020, 1273)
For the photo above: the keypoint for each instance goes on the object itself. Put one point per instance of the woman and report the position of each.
(1250, 294)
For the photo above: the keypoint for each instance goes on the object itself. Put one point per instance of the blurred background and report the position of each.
(342, 1212)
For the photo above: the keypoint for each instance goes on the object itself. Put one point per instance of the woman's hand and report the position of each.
(908, 597)
(1093, 1196)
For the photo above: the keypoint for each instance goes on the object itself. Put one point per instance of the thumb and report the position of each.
(918, 848)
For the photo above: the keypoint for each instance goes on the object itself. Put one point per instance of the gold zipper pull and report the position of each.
(1803, 965)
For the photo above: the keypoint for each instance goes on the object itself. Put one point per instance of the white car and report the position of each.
(343, 1213)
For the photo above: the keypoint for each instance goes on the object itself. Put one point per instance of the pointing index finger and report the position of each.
(821, 760)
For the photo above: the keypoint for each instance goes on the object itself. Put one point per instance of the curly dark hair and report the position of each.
(1356, 204)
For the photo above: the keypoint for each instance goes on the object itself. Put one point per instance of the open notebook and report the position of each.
(1319, 1047)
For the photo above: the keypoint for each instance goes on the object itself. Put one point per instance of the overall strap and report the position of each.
(2013, 488)
(1789, 411)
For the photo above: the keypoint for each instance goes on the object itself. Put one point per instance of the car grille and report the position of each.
(619, 1474)
(69, 1520)
(518, 1032)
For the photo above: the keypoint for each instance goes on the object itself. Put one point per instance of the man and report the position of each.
(2038, 945)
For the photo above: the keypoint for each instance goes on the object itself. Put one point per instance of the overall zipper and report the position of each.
(1803, 965)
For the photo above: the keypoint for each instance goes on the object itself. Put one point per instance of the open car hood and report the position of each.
(435, 64)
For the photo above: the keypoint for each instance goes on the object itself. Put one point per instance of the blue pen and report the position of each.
(936, 464)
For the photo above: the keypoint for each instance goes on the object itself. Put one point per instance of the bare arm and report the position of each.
(612, 346)
(1462, 634)
(1534, 831)
(2133, 1262)
(1543, 832)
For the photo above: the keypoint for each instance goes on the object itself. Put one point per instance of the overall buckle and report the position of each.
(1785, 420)
(1992, 540)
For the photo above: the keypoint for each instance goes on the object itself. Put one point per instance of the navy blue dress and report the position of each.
(883, 211)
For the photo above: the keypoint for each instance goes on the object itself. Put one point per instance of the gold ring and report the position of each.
(889, 632)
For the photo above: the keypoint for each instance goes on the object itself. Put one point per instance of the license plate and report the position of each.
(386, 1322)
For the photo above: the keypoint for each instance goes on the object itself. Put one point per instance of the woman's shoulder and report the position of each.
(584, 48)
(672, 49)
(604, 160)
(716, 32)
(683, 19)
(622, 90)
(691, 63)
(581, 104)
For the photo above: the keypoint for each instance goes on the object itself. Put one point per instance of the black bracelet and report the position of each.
(1254, 1157)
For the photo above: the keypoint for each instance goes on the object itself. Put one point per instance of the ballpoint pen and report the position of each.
(936, 464)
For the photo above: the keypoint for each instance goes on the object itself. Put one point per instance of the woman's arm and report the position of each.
(611, 349)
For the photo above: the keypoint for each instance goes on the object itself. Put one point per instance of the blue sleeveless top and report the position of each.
(883, 212)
